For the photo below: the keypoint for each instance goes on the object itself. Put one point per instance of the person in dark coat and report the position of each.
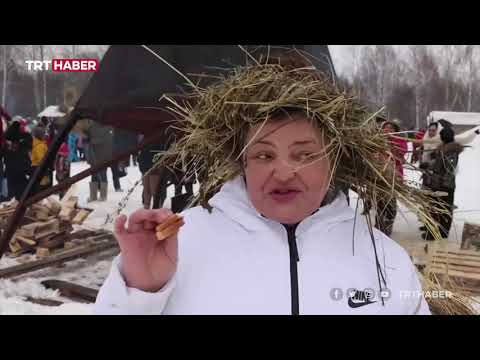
(17, 159)
(99, 150)
(155, 183)
(5, 119)
(440, 176)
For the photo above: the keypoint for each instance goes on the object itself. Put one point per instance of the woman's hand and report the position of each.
(147, 263)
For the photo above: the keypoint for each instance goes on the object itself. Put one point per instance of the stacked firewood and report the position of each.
(46, 225)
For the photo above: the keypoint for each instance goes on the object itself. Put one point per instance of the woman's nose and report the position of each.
(283, 171)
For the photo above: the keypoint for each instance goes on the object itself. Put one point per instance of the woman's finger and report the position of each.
(119, 225)
(149, 225)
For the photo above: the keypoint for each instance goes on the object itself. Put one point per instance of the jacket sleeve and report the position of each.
(38, 153)
(116, 298)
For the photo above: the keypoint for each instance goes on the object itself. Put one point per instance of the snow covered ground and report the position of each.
(93, 271)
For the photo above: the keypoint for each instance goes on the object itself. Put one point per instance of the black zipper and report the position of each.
(293, 250)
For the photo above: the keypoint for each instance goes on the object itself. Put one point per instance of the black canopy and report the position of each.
(126, 90)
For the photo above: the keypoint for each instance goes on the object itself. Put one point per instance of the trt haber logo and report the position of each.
(74, 65)
(64, 65)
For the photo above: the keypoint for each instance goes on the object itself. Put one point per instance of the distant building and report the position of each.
(461, 121)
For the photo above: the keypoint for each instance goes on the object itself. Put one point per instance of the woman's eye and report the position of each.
(263, 156)
(305, 156)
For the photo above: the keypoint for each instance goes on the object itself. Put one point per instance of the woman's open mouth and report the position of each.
(284, 195)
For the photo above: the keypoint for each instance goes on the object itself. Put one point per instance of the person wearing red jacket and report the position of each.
(387, 205)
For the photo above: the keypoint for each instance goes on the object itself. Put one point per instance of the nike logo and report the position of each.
(359, 304)
(359, 299)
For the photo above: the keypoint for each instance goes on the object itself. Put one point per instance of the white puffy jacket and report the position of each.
(235, 261)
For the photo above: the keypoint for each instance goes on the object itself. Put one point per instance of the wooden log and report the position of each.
(53, 243)
(46, 234)
(42, 252)
(15, 246)
(52, 226)
(72, 291)
(29, 230)
(26, 240)
(44, 302)
(60, 258)
(67, 214)
(70, 203)
(81, 234)
(53, 205)
(68, 245)
(80, 216)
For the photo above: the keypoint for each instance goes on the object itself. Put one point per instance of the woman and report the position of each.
(273, 234)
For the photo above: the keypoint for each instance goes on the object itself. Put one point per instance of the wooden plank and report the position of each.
(60, 258)
(26, 240)
(457, 257)
(53, 243)
(47, 228)
(458, 261)
(456, 273)
(45, 235)
(459, 252)
(81, 234)
(42, 252)
(67, 213)
(15, 247)
(44, 302)
(453, 256)
(72, 291)
(464, 266)
(80, 216)
(465, 269)
(70, 203)
(458, 270)
(53, 205)
(29, 230)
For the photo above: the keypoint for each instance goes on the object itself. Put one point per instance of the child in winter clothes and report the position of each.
(39, 151)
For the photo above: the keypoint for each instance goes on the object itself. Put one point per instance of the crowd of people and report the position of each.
(436, 153)
(24, 144)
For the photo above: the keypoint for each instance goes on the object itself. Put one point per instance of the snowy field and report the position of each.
(93, 271)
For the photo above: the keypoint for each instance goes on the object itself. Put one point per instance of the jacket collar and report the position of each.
(233, 201)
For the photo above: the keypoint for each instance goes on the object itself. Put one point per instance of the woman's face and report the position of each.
(286, 170)
(388, 128)
(432, 131)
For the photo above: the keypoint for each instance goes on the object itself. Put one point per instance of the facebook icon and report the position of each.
(336, 294)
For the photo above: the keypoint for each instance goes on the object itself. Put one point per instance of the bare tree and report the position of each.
(424, 70)
(470, 55)
(5, 74)
(8, 55)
